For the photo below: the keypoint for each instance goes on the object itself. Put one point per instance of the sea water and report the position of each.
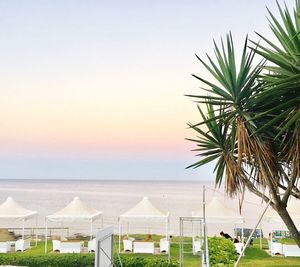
(180, 198)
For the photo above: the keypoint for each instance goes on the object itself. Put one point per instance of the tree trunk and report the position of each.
(289, 224)
(282, 212)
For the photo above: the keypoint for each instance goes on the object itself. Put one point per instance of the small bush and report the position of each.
(221, 251)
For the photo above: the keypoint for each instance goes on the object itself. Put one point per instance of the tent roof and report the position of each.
(145, 211)
(75, 210)
(10, 209)
(217, 212)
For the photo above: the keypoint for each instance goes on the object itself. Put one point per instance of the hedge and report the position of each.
(78, 260)
(145, 262)
(67, 260)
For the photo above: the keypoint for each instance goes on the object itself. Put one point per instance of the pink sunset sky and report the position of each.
(95, 89)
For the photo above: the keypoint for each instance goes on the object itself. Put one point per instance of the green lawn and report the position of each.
(254, 256)
(257, 257)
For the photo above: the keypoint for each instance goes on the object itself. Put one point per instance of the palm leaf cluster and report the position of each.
(227, 107)
(252, 113)
(282, 84)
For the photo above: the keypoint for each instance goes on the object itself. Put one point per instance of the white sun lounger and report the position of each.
(22, 244)
(164, 245)
(291, 250)
(71, 247)
(128, 244)
(5, 247)
(275, 248)
(92, 245)
(238, 247)
(196, 246)
(143, 247)
(55, 245)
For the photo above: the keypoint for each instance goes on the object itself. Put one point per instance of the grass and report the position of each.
(257, 257)
(254, 256)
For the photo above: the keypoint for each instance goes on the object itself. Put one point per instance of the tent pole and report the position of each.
(36, 223)
(91, 236)
(180, 243)
(242, 235)
(23, 226)
(120, 233)
(193, 234)
(46, 241)
(243, 238)
(201, 235)
(167, 228)
(169, 241)
(249, 238)
(271, 243)
(260, 237)
(206, 254)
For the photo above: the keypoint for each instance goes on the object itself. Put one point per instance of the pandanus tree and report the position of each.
(250, 116)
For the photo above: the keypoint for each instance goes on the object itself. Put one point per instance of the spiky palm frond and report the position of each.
(280, 95)
(234, 94)
(217, 144)
(233, 85)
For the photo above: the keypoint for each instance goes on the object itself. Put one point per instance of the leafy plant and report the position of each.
(221, 251)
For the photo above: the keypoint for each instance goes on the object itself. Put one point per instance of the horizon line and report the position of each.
(105, 180)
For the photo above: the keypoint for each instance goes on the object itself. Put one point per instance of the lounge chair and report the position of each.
(5, 247)
(22, 244)
(143, 247)
(128, 244)
(92, 245)
(238, 247)
(71, 247)
(56, 245)
(164, 245)
(196, 245)
(275, 248)
(291, 250)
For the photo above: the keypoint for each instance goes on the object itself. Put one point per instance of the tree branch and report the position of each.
(254, 190)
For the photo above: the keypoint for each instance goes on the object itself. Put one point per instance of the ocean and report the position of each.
(180, 198)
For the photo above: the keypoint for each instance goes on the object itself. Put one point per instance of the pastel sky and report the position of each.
(95, 89)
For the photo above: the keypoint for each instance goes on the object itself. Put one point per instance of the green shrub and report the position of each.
(221, 252)
(66, 260)
(77, 260)
(145, 262)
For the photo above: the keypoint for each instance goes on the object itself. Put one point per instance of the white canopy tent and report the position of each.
(293, 208)
(272, 217)
(144, 211)
(76, 210)
(217, 212)
(10, 209)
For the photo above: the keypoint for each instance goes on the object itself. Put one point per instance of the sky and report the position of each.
(95, 89)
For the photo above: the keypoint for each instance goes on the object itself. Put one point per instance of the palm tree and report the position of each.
(252, 117)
